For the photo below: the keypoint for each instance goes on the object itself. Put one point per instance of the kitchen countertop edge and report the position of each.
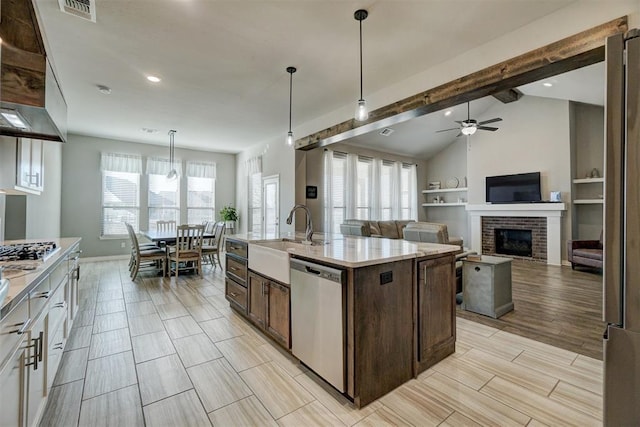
(29, 281)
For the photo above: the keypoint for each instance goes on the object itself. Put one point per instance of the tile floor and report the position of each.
(163, 353)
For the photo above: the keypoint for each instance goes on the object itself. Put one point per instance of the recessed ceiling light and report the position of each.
(153, 79)
(547, 84)
(448, 113)
(104, 89)
(149, 130)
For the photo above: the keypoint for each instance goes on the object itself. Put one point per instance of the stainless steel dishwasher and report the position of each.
(317, 329)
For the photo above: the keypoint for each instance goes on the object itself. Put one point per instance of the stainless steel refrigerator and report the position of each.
(622, 232)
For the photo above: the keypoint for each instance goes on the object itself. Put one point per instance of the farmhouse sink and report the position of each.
(271, 259)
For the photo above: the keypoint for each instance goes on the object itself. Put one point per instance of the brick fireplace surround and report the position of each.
(543, 218)
(538, 227)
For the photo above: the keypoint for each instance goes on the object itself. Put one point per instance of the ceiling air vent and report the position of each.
(83, 8)
(386, 131)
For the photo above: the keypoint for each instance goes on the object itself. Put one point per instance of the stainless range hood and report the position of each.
(31, 102)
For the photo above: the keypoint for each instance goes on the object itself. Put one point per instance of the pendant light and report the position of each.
(173, 174)
(290, 70)
(362, 113)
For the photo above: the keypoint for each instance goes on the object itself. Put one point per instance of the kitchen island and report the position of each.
(397, 302)
(35, 319)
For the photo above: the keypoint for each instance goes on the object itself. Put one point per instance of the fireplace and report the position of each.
(513, 242)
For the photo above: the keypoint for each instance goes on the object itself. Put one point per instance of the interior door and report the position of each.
(271, 204)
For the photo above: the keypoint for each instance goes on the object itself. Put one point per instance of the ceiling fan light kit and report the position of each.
(470, 126)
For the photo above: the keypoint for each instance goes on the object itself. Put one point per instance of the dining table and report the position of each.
(168, 238)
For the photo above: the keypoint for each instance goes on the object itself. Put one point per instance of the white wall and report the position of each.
(450, 162)
(43, 211)
(82, 180)
(277, 159)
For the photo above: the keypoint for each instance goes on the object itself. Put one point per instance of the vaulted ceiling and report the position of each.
(222, 63)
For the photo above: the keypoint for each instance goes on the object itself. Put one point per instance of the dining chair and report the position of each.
(143, 246)
(150, 256)
(166, 225)
(188, 249)
(213, 246)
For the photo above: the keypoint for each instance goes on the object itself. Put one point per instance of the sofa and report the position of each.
(391, 229)
(430, 232)
(585, 252)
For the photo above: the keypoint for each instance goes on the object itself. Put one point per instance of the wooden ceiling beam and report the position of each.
(579, 50)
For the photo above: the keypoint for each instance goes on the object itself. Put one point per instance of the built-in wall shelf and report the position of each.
(430, 205)
(587, 180)
(444, 190)
(588, 201)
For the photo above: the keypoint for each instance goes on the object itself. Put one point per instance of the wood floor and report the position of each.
(554, 305)
(157, 352)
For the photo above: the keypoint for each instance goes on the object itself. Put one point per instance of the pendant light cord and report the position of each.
(290, 97)
(361, 91)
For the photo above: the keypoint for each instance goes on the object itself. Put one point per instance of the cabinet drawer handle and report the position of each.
(23, 327)
(58, 346)
(37, 351)
(233, 294)
(477, 269)
(233, 269)
(62, 304)
(44, 295)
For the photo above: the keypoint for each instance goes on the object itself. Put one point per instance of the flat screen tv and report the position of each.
(518, 188)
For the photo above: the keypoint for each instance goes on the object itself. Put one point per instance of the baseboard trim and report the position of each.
(104, 258)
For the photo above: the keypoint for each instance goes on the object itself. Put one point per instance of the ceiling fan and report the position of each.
(470, 126)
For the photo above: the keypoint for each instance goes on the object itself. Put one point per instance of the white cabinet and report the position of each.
(445, 197)
(12, 382)
(30, 166)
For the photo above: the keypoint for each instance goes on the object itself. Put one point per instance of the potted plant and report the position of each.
(229, 215)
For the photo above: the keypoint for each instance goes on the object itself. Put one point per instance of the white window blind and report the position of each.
(358, 187)
(201, 192)
(255, 202)
(164, 194)
(364, 181)
(120, 193)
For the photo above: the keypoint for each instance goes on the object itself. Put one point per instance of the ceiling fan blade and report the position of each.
(486, 122)
(458, 121)
(492, 129)
(460, 134)
(446, 130)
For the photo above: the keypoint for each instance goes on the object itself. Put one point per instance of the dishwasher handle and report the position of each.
(320, 271)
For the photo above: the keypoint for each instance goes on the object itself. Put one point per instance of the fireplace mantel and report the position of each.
(552, 211)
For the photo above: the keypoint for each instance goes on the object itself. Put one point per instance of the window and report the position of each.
(335, 189)
(201, 184)
(164, 194)
(408, 188)
(386, 204)
(254, 196)
(364, 179)
(255, 202)
(364, 188)
(120, 193)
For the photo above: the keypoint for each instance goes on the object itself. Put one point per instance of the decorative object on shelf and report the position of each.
(362, 113)
(595, 173)
(464, 182)
(461, 200)
(172, 148)
(437, 199)
(452, 182)
(434, 185)
(555, 196)
(290, 70)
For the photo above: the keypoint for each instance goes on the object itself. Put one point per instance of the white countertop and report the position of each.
(353, 251)
(20, 281)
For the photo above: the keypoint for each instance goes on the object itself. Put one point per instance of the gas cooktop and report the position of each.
(33, 251)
